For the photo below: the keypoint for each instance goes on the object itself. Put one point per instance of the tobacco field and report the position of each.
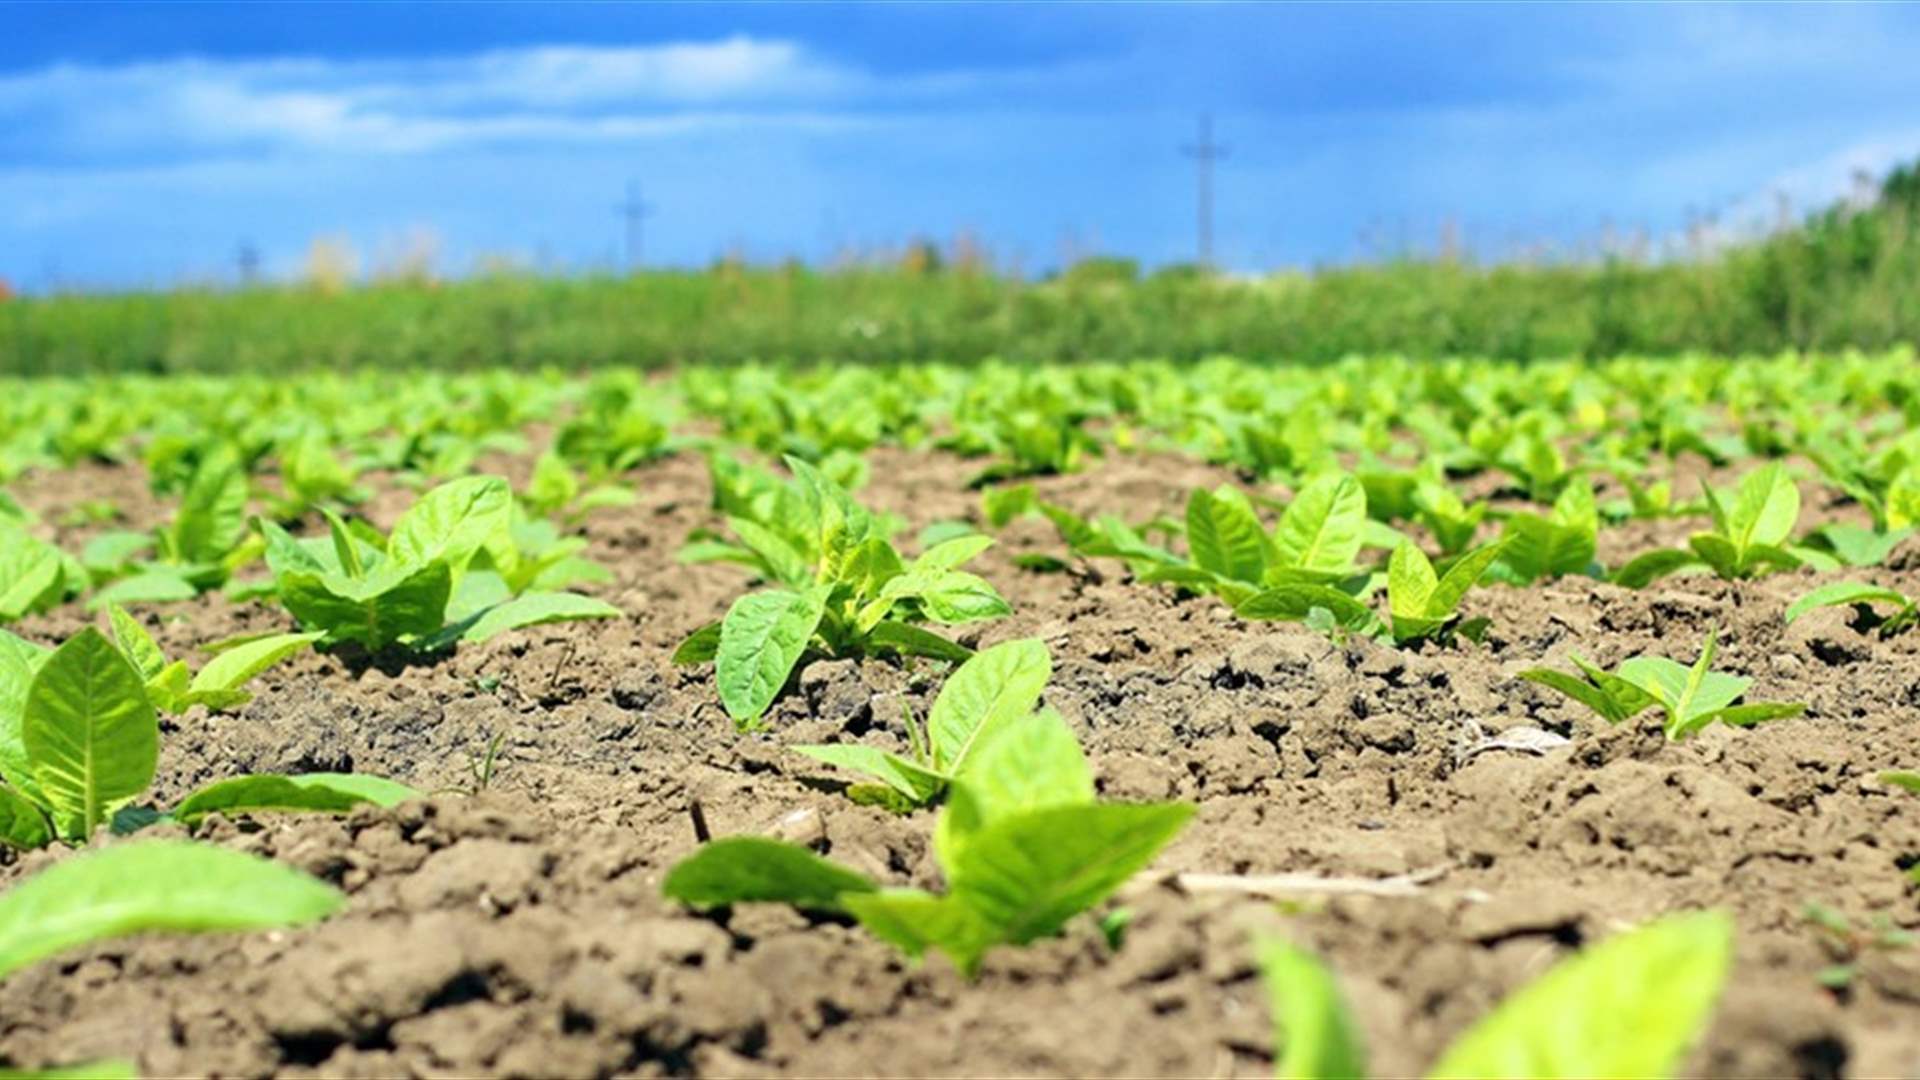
(1217, 718)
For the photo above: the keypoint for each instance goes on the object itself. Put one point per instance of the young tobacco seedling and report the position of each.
(1841, 593)
(846, 592)
(1630, 1006)
(1689, 698)
(1749, 534)
(199, 550)
(1424, 604)
(555, 490)
(413, 588)
(994, 688)
(1558, 544)
(1022, 842)
(79, 741)
(174, 689)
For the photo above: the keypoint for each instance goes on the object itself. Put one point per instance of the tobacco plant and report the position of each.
(844, 591)
(79, 742)
(1842, 593)
(1022, 842)
(413, 588)
(1630, 1006)
(1749, 535)
(1689, 698)
(996, 687)
(174, 688)
(198, 550)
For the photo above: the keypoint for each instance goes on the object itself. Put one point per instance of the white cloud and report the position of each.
(554, 93)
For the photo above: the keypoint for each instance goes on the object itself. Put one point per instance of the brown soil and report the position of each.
(519, 931)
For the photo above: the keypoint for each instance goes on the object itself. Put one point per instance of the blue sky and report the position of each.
(143, 144)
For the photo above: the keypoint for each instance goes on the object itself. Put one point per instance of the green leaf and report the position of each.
(1839, 593)
(1294, 603)
(136, 643)
(89, 732)
(747, 869)
(1410, 583)
(700, 647)
(1747, 715)
(22, 823)
(1001, 505)
(1764, 508)
(377, 611)
(761, 639)
(151, 587)
(951, 554)
(92, 1070)
(452, 522)
(235, 667)
(918, 784)
(1465, 572)
(30, 572)
(1323, 526)
(914, 921)
(153, 886)
(1027, 874)
(1314, 1032)
(1593, 697)
(1644, 570)
(1224, 536)
(1908, 781)
(535, 609)
(213, 513)
(957, 597)
(334, 793)
(909, 640)
(997, 686)
(1630, 1006)
(785, 564)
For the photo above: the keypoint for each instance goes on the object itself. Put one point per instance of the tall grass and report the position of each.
(1845, 278)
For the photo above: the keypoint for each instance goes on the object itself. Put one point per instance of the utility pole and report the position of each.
(248, 258)
(635, 211)
(1204, 153)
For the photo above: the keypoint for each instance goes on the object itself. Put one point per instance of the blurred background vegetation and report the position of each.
(1846, 277)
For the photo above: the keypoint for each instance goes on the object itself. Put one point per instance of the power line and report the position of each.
(636, 211)
(1204, 153)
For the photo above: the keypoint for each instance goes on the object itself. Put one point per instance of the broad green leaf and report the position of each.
(1746, 715)
(452, 522)
(1027, 874)
(235, 667)
(918, 784)
(1837, 593)
(959, 597)
(155, 885)
(535, 609)
(1224, 536)
(997, 686)
(334, 793)
(747, 869)
(92, 1070)
(909, 640)
(1908, 781)
(89, 732)
(951, 554)
(761, 639)
(914, 922)
(19, 661)
(1644, 570)
(1764, 508)
(1322, 528)
(110, 551)
(1001, 505)
(376, 612)
(783, 562)
(1314, 1035)
(23, 824)
(151, 587)
(1028, 764)
(133, 639)
(1856, 546)
(1294, 603)
(213, 513)
(700, 647)
(1410, 583)
(1630, 1006)
(30, 572)
(1537, 548)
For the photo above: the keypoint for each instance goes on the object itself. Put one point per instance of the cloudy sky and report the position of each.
(146, 144)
